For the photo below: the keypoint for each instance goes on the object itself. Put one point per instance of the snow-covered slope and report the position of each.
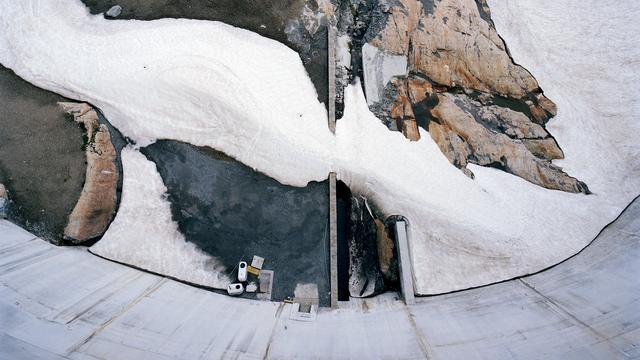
(585, 55)
(211, 84)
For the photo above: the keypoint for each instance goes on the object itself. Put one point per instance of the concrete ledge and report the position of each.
(406, 271)
(333, 239)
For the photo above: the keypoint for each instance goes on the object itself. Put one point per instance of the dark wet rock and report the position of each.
(413, 54)
(365, 277)
(97, 204)
(232, 212)
(4, 202)
(42, 160)
(295, 23)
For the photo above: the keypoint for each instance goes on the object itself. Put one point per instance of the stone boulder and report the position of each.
(461, 136)
(114, 11)
(97, 204)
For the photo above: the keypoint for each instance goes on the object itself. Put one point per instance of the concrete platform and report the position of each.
(64, 303)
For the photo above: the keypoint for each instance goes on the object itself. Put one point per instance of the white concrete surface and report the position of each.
(64, 303)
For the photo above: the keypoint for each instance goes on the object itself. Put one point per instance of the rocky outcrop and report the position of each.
(460, 127)
(97, 204)
(4, 202)
(459, 83)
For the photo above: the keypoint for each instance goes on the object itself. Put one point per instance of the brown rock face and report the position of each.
(97, 204)
(4, 202)
(462, 86)
(387, 259)
(461, 136)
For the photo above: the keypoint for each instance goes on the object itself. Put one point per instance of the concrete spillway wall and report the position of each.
(64, 303)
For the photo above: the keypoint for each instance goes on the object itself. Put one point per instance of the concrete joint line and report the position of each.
(273, 330)
(102, 327)
(570, 315)
(422, 341)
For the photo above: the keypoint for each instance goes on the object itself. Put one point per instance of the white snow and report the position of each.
(211, 84)
(202, 82)
(143, 233)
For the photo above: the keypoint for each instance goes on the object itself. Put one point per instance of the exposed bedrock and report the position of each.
(441, 65)
(461, 129)
(97, 204)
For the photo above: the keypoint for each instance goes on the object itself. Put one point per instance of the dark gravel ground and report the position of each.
(232, 212)
(42, 161)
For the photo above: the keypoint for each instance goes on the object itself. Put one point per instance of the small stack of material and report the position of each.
(256, 265)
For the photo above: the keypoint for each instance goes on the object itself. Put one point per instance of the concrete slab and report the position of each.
(178, 321)
(504, 321)
(13, 348)
(60, 302)
(383, 331)
(11, 234)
